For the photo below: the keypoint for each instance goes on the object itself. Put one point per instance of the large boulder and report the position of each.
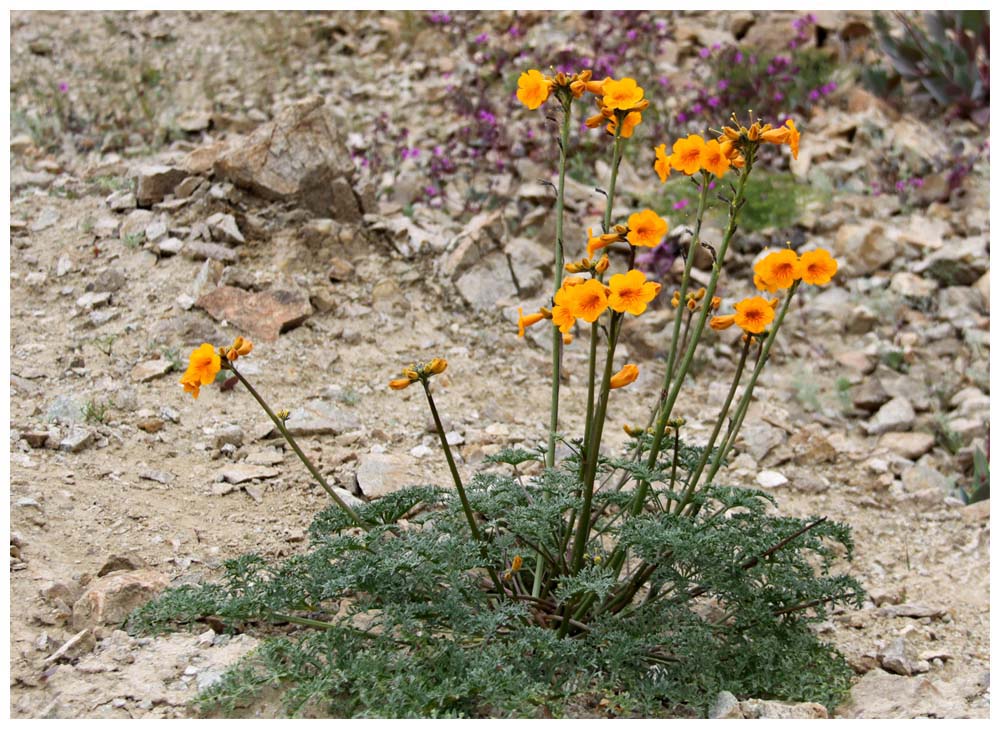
(300, 157)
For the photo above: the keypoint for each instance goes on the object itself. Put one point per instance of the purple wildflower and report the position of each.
(814, 95)
(900, 186)
(697, 108)
(632, 34)
(681, 204)
(723, 84)
(738, 58)
(63, 86)
(704, 52)
(482, 38)
(778, 96)
(917, 182)
(713, 101)
(681, 117)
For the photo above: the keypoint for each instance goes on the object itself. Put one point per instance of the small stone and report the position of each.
(263, 315)
(77, 440)
(924, 479)
(93, 299)
(159, 476)
(80, 644)
(870, 395)
(265, 457)
(150, 370)
(908, 445)
(319, 417)
(379, 474)
(232, 434)
(240, 472)
(759, 439)
(63, 266)
(255, 492)
(771, 479)
(170, 246)
(896, 659)
(150, 424)
(119, 563)
(912, 286)
(726, 706)
(46, 219)
(223, 227)
(340, 270)
(194, 121)
(912, 610)
(858, 361)
(188, 186)
(200, 250)
(453, 437)
(121, 200)
(37, 438)
(155, 182)
(170, 414)
(421, 451)
(896, 415)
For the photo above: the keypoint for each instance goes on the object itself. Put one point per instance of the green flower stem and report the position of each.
(591, 384)
(744, 404)
(696, 474)
(734, 208)
(616, 160)
(685, 280)
(280, 425)
(567, 105)
(466, 507)
(557, 342)
(594, 446)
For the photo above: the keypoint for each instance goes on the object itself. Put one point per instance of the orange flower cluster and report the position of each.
(534, 87)
(693, 154)
(786, 134)
(587, 299)
(780, 269)
(645, 229)
(777, 270)
(419, 372)
(624, 100)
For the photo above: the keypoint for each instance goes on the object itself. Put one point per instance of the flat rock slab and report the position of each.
(262, 315)
(908, 445)
(319, 417)
(151, 370)
(242, 472)
(379, 474)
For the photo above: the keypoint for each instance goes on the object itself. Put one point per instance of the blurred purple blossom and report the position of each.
(63, 86)
(482, 38)
(704, 52)
(681, 204)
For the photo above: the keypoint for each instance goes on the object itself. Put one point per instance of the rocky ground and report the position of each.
(254, 213)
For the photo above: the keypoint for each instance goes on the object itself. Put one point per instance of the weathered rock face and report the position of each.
(110, 599)
(300, 157)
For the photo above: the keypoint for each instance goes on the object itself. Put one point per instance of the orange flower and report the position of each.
(203, 365)
(523, 322)
(646, 228)
(753, 315)
(714, 159)
(624, 94)
(588, 300)
(562, 312)
(625, 376)
(818, 267)
(778, 270)
(662, 164)
(631, 121)
(400, 384)
(787, 134)
(687, 154)
(631, 292)
(718, 323)
(533, 88)
(436, 366)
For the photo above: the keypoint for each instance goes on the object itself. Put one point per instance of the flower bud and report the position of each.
(625, 376)
(411, 374)
(718, 323)
(692, 304)
(436, 366)
(716, 303)
(675, 300)
(700, 294)
(602, 265)
(516, 563)
(567, 338)
(400, 384)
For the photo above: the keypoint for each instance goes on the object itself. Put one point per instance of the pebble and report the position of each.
(895, 415)
(93, 299)
(150, 370)
(77, 440)
(241, 472)
(421, 451)
(224, 228)
(771, 479)
(908, 445)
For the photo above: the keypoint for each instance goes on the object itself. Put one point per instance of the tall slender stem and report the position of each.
(466, 507)
(706, 454)
(280, 425)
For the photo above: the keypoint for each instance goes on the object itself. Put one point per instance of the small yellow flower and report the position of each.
(625, 376)
(400, 384)
(523, 322)
(818, 267)
(715, 303)
(533, 88)
(753, 314)
(588, 300)
(662, 164)
(516, 563)
(625, 94)
(203, 365)
(646, 228)
(241, 347)
(631, 292)
(687, 154)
